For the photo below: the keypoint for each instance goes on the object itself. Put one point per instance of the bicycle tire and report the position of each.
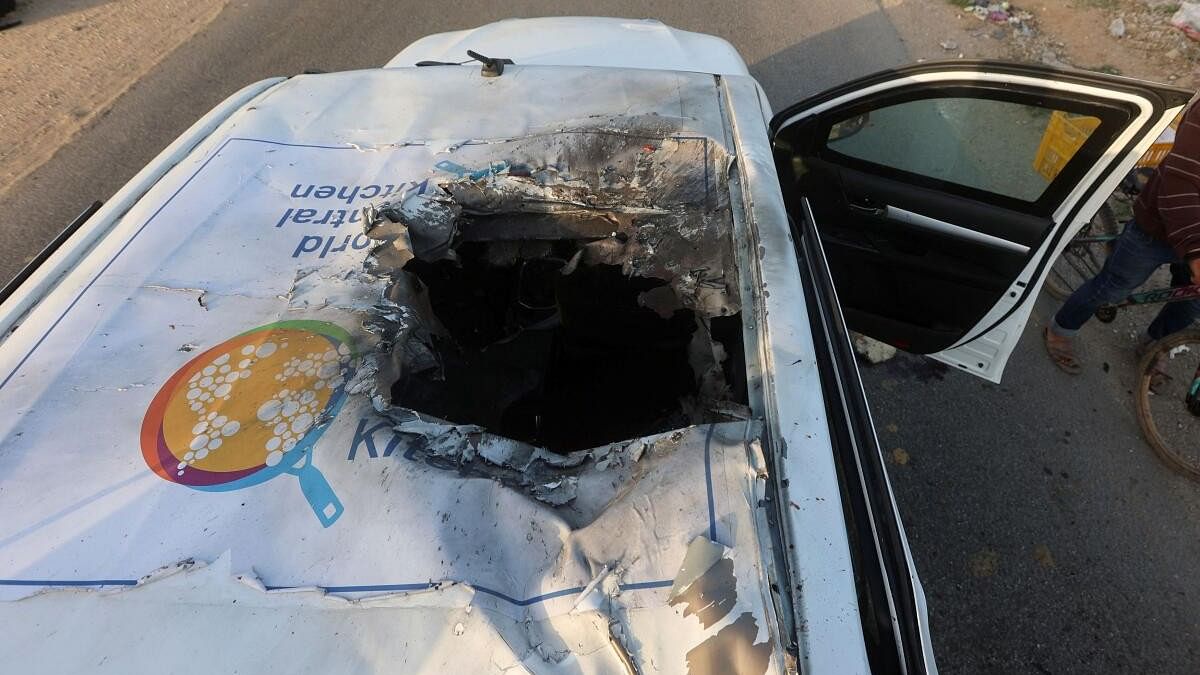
(1076, 264)
(1173, 457)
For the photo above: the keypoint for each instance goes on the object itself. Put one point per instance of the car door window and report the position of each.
(949, 189)
(941, 191)
(1003, 147)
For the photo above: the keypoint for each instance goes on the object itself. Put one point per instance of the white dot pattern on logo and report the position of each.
(290, 413)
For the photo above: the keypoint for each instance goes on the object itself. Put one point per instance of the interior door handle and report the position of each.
(868, 209)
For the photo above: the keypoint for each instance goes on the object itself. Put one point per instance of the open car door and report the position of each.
(943, 191)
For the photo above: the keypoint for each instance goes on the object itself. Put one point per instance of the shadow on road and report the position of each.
(817, 62)
(32, 11)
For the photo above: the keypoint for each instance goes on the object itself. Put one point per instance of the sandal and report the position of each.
(1159, 378)
(1064, 357)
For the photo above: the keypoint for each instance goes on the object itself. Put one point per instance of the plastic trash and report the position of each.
(1003, 13)
(1187, 19)
(1117, 27)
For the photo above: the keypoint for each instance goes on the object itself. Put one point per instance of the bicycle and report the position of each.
(1086, 253)
(1168, 385)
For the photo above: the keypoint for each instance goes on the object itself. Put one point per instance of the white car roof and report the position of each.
(256, 227)
(581, 41)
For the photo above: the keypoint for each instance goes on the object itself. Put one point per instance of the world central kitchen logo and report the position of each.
(251, 409)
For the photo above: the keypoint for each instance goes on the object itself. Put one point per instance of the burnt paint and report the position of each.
(731, 651)
(711, 596)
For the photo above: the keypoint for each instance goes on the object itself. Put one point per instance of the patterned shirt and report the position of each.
(1169, 206)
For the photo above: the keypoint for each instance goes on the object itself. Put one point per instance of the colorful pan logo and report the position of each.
(252, 408)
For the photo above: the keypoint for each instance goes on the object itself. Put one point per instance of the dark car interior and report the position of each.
(930, 203)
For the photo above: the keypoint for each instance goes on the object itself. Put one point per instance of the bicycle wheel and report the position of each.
(1170, 415)
(1082, 261)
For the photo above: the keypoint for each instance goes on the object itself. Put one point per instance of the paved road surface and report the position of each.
(789, 48)
(1048, 538)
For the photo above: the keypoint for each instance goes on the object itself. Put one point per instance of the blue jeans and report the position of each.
(1131, 263)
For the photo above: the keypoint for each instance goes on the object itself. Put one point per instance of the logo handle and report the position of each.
(319, 493)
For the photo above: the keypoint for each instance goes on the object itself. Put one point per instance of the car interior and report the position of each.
(936, 194)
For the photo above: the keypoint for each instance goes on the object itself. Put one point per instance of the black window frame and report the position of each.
(883, 578)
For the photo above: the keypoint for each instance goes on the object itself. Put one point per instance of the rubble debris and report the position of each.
(1142, 26)
(873, 350)
(1001, 13)
(1051, 58)
(1117, 27)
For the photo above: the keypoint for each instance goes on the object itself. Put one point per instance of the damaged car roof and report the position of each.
(373, 345)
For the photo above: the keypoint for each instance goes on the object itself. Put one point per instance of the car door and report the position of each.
(943, 191)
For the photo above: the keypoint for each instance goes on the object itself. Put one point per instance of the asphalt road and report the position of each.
(1048, 537)
(790, 48)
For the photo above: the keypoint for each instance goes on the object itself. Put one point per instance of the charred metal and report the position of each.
(565, 304)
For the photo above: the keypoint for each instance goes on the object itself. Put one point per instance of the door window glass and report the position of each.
(1011, 149)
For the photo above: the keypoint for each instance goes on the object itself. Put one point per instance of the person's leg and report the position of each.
(1174, 316)
(1134, 258)
(1181, 274)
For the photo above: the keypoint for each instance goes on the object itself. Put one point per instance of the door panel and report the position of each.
(1019, 228)
(941, 190)
(907, 273)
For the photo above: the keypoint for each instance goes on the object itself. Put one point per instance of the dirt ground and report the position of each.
(68, 60)
(1072, 33)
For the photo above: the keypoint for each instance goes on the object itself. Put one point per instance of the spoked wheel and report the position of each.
(1170, 413)
(1081, 261)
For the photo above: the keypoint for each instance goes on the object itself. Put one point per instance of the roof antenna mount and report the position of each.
(491, 67)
